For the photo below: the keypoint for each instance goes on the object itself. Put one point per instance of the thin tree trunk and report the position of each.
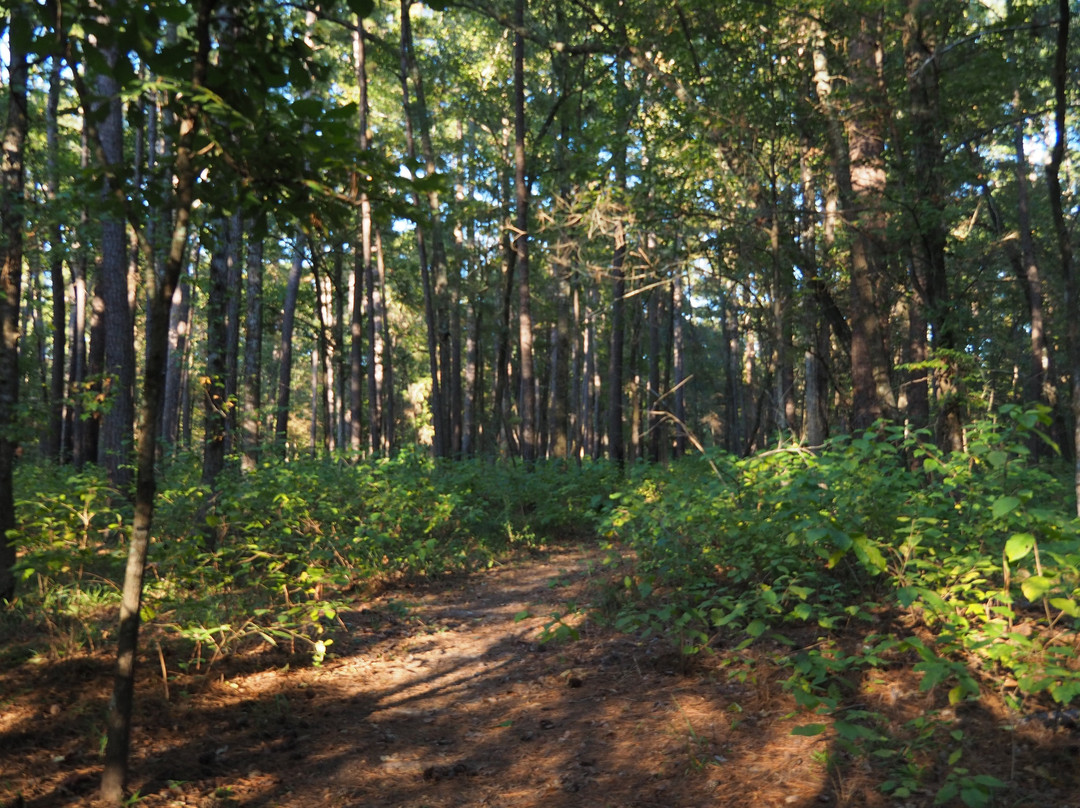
(473, 372)
(75, 427)
(384, 348)
(521, 246)
(120, 706)
(54, 434)
(249, 460)
(678, 363)
(215, 400)
(363, 281)
(234, 294)
(174, 371)
(95, 371)
(652, 398)
(1037, 386)
(288, 319)
(433, 270)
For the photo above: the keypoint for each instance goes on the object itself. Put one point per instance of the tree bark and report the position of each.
(363, 282)
(121, 704)
(288, 319)
(252, 403)
(12, 200)
(521, 247)
(214, 386)
(678, 363)
(54, 445)
(108, 135)
(436, 268)
(1060, 76)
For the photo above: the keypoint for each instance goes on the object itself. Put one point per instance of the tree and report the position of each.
(12, 200)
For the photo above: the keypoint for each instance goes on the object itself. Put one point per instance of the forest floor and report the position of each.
(444, 693)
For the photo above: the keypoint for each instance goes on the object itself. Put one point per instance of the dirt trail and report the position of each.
(442, 695)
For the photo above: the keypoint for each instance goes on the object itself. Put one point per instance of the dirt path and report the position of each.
(442, 695)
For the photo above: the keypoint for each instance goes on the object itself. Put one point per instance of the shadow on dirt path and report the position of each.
(450, 693)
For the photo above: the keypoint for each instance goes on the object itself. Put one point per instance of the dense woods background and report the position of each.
(544, 230)
(560, 231)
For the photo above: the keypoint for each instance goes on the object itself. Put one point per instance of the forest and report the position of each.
(771, 304)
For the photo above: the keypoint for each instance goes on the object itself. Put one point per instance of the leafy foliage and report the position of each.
(295, 539)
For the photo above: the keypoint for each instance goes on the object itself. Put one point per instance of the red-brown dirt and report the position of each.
(442, 694)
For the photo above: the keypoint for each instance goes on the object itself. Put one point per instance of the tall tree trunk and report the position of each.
(1060, 76)
(872, 394)
(652, 397)
(53, 444)
(385, 348)
(75, 426)
(521, 247)
(474, 381)
(288, 320)
(121, 704)
(252, 401)
(626, 108)
(214, 398)
(856, 151)
(1038, 386)
(440, 422)
(502, 349)
(927, 249)
(117, 425)
(324, 352)
(363, 282)
(234, 295)
(12, 198)
(95, 371)
(179, 311)
(678, 363)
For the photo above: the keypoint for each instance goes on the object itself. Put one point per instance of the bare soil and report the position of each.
(450, 692)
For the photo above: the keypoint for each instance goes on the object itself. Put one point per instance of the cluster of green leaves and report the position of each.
(293, 539)
(807, 551)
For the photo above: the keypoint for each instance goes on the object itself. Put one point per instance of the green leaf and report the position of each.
(809, 730)
(974, 797)
(757, 628)
(1019, 545)
(1036, 586)
(868, 553)
(1066, 605)
(997, 458)
(1004, 505)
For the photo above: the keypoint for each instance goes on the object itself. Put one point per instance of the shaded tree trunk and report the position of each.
(12, 197)
(288, 320)
(521, 247)
(118, 422)
(363, 281)
(53, 445)
(678, 363)
(253, 338)
(214, 386)
(1060, 76)
(121, 704)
